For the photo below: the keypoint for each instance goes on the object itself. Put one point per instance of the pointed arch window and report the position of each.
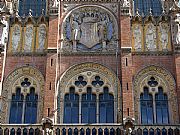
(144, 7)
(71, 107)
(36, 6)
(146, 107)
(89, 107)
(154, 107)
(23, 110)
(31, 107)
(161, 100)
(106, 107)
(16, 110)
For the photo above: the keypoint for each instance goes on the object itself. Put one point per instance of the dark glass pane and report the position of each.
(145, 132)
(93, 131)
(144, 7)
(1, 131)
(71, 107)
(57, 131)
(31, 131)
(164, 131)
(31, 107)
(18, 131)
(25, 131)
(75, 131)
(106, 107)
(36, 6)
(146, 103)
(16, 107)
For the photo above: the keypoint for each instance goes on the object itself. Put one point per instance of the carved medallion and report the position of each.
(89, 28)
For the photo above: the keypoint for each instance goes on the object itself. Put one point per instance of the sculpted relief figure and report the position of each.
(42, 37)
(16, 36)
(88, 28)
(177, 21)
(137, 38)
(164, 36)
(151, 37)
(28, 38)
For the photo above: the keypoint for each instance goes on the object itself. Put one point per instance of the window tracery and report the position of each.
(89, 99)
(24, 102)
(154, 103)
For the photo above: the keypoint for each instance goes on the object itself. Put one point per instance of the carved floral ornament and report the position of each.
(87, 75)
(24, 78)
(89, 28)
(154, 77)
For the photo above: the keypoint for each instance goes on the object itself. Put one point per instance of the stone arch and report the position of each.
(90, 69)
(12, 80)
(166, 80)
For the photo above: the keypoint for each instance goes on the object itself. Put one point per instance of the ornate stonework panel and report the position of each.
(89, 28)
(13, 80)
(165, 80)
(164, 37)
(137, 39)
(42, 36)
(150, 37)
(16, 37)
(88, 75)
(29, 38)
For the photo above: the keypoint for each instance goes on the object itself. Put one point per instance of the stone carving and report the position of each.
(177, 2)
(16, 36)
(137, 38)
(126, 3)
(177, 21)
(42, 37)
(28, 38)
(54, 3)
(4, 35)
(164, 38)
(151, 37)
(88, 28)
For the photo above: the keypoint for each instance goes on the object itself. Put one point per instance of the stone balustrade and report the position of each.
(87, 129)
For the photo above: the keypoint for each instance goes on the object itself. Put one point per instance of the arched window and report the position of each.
(36, 6)
(88, 107)
(24, 111)
(71, 107)
(161, 100)
(16, 109)
(144, 7)
(106, 107)
(146, 107)
(31, 107)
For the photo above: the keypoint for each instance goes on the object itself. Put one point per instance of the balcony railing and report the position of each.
(88, 129)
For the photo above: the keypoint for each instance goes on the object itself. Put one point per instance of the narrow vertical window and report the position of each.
(71, 107)
(146, 102)
(127, 86)
(31, 107)
(161, 100)
(16, 109)
(50, 86)
(106, 107)
(89, 107)
(126, 62)
(51, 62)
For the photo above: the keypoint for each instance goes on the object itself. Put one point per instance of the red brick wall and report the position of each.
(125, 31)
(53, 32)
